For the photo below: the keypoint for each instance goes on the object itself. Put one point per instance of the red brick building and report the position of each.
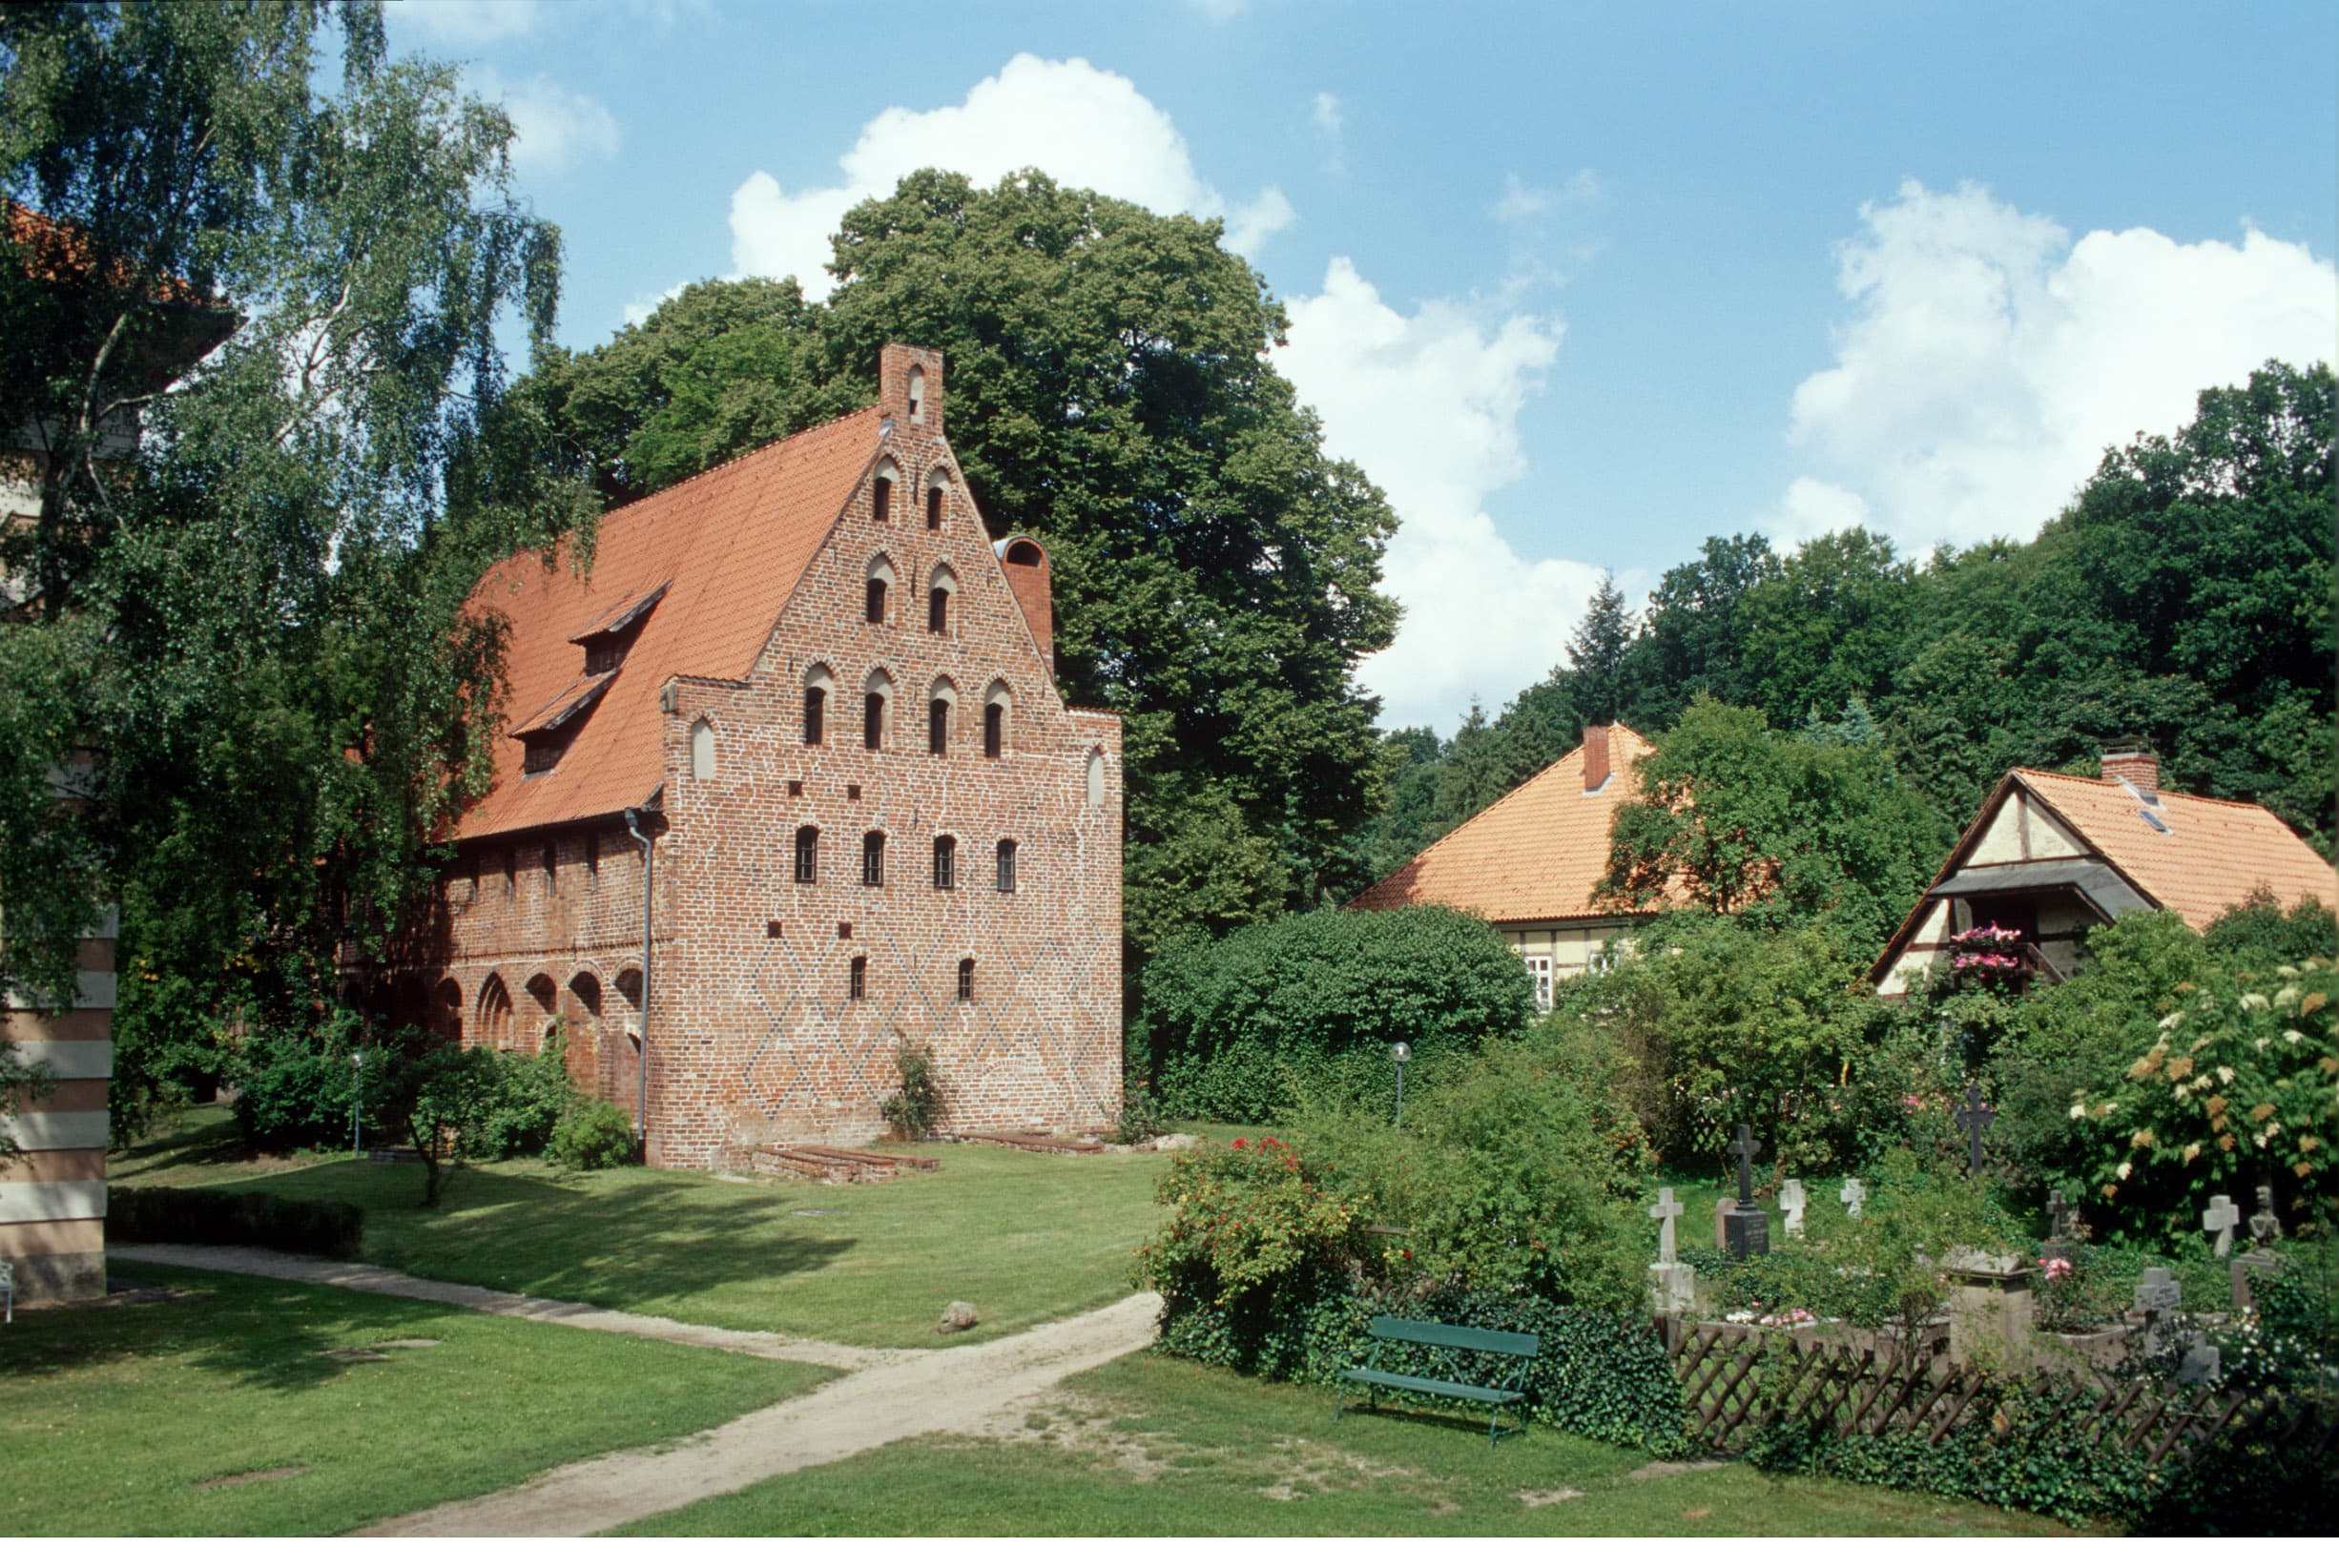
(881, 823)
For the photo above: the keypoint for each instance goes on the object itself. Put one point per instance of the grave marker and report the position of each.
(1665, 1211)
(1976, 1119)
(1852, 1194)
(1723, 1209)
(2219, 1220)
(2156, 1296)
(2264, 1228)
(2059, 1225)
(1672, 1284)
(1745, 1230)
(1791, 1203)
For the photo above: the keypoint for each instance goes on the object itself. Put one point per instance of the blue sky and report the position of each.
(1577, 286)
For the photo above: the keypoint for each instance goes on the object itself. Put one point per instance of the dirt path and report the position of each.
(389, 1281)
(938, 1390)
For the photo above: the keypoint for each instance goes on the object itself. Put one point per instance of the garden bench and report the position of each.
(1450, 1345)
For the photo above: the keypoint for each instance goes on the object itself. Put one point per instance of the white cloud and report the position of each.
(1521, 201)
(1085, 126)
(1429, 404)
(1989, 361)
(553, 126)
(1325, 117)
(463, 23)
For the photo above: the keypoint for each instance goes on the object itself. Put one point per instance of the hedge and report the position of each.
(233, 1219)
(1598, 1374)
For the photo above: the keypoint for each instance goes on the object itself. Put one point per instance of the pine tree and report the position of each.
(1596, 653)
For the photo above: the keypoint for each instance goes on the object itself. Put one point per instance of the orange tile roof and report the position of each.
(2218, 853)
(730, 546)
(1534, 854)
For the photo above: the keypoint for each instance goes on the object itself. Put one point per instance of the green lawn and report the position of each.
(1025, 1237)
(114, 1417)
(1150, 1446)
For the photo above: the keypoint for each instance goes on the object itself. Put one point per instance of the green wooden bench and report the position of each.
(1451, 1344)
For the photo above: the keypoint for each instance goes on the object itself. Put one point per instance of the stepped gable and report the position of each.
(2215, 853)
(727, 547)
(1535, 854)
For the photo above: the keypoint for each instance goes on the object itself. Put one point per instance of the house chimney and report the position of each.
(1029, 580)
(2140, 771)
(1595, 768)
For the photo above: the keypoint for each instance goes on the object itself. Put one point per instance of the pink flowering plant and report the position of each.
(1253, 1219)
(1989, 952)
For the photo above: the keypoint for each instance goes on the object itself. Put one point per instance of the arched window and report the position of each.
(818, 682)
(874, 695)
(882, 497)
(940, 586)
(1007, 865)
(702, 750)
(1096, 778)
(856, 980)
(880, 581)
(966, 980)
(873, 859)
(808, 853)
(998, 702)
(934, 507)
(940, 703)
(918, 395)
(494, 1014)
(945, 863)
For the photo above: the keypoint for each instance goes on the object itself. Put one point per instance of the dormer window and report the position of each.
(548, 732)
(608, 639)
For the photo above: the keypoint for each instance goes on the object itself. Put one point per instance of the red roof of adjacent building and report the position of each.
(2214, 856)
(722, 551)
(1535, 854)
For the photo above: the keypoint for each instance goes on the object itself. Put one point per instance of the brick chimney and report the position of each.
(1596, 768)
(910, 385)
(2140, 771)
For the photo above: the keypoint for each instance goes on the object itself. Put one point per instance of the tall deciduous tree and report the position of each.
(1217, 575)
(241, 641)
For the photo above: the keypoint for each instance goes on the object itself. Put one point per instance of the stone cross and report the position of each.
(1976, 1119)
(1744, 1147)
(2264, 1229)
(1723, 1209)
(1852, 1194)
(1790, 1203)
(1665, 1211)
(2202, 1362)
(2219, 1220)
(2059, 1225)
(2156, 1296)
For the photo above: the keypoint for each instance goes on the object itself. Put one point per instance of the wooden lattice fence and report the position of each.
(1737, 1381)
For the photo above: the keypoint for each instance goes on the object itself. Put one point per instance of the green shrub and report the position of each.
(591, 1135)
(1141, 1116)
(233, 1219)
(2256, 932)
(522, 1096)
(1241, 1028)
(298, 1087)
(2238, 1089)
(1255, 1227)
(913, 1109)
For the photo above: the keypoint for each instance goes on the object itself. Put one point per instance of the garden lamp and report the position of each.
(1401, 1053)
(356, 1106)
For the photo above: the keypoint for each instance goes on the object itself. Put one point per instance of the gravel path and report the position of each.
(389, 1281)
(939, 1390)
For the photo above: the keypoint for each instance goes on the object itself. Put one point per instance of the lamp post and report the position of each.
(1401, 1053)
(356, 1106)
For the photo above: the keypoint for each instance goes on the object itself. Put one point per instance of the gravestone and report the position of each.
(1991, 1308)
(1792, 1202)
(2264, 1225)
(1976, 1119)
(2202, 1362)
(1672, 1284)
(1723, 1209)
(2157, 1295)
(2058, 1227)
(1852, 1195)
(2261, 1263)
(1745, 1230)
(2219, 1220)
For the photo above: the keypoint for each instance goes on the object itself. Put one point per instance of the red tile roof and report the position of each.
(1534, 854)
(729, 547)
(2215, 854)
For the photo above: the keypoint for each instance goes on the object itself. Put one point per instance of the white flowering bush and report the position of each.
(2239, 1089)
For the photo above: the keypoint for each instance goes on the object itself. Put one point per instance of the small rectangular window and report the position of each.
(945, 867)
(938, 611)
(807, 854)
(872, 721)
(1007, 865)
(857, 980)
(873, 859)
(966, 980)
(938, 727)
(877, 601)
